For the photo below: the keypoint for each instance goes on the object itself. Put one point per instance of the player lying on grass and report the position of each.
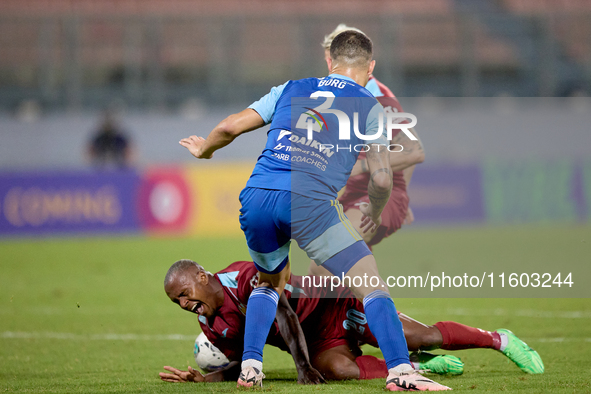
(333, 327)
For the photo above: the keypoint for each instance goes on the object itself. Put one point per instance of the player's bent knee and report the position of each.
(340, 369)
(337, 363)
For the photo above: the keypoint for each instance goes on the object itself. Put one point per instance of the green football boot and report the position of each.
(521, 354)
(442, 364)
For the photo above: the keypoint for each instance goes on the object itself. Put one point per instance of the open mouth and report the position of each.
(197, 308)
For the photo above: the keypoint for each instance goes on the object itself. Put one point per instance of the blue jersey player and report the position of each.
(318, 126)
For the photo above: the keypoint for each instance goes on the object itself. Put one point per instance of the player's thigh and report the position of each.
(317, 270)
(337, 363)
(267, 237)
(355, 216)
(276, 280)
(322, 230)
(365, 272)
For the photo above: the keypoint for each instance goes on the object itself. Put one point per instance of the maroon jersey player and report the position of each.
(402, 163)
(333, 325)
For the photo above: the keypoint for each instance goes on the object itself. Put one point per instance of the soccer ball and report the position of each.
(208, 357)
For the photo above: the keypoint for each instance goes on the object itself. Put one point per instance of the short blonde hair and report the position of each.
(340, 28)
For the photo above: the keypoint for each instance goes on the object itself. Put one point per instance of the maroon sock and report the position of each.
(371, 367)
(457, 336)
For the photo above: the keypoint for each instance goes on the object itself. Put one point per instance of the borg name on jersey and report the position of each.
(302, 153)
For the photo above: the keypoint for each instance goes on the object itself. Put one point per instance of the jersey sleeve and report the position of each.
(372, 125)
(374, 88)
(239, 279)
(266, 105)
(377, 88)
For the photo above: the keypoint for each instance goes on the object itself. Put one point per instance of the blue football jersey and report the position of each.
(318, 127)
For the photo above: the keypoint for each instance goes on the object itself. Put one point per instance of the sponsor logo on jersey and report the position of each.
(312, 143)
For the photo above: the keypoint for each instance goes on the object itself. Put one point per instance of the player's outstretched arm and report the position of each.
(379, 187)
(223, 134)
(292, 334)
(231, 372)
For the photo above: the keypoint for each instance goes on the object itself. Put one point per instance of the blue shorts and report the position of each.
(270, 219)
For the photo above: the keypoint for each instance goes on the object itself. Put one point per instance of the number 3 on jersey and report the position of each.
(312, 119)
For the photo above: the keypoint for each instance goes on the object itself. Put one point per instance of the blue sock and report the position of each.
(260, 314)
(385, 325)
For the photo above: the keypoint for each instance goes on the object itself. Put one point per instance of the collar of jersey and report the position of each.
(342, 77)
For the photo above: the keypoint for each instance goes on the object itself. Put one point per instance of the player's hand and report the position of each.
(369, 222)
(178, 376)
(310, 376)
(194, 144)
(410, 217)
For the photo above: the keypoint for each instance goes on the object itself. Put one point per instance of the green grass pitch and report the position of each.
(90, 314)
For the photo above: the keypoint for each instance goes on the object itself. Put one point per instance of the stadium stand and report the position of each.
(156, 52)
(204, 7)
(546, 6)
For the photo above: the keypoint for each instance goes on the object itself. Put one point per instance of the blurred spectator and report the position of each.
(110, 147)
(28, 111)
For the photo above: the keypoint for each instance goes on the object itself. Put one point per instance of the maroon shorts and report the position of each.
(334, 323)
(393, 214)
